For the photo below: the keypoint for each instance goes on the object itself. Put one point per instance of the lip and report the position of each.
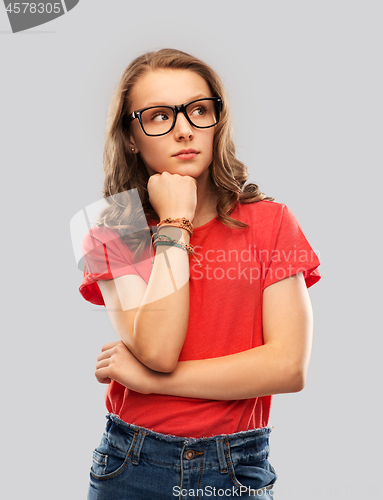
(186, 154)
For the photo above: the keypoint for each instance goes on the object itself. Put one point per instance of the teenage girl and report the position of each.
(205, 281)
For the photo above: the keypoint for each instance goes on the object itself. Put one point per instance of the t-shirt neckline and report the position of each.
(206, 224)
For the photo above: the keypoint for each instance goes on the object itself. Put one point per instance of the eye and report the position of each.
(198, 111)
(159, 117)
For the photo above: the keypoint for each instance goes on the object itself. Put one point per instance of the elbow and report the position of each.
(159, 361)
(156, 357)
(297, 379)
(162, 364)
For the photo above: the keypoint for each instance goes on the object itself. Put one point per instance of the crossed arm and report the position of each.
(278, 366)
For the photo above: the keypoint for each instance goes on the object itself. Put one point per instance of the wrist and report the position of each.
(176, 233)
(160, 383)
(187, 215)
(156, 382)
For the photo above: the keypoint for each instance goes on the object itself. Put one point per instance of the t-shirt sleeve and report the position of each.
(105, 257)
(290, 252)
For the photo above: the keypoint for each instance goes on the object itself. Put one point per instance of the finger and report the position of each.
(105, 354)
(106, 347)
(104, 380)
(102, 374)
(103, 363)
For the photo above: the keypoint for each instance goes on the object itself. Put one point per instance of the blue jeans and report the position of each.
(134, 463)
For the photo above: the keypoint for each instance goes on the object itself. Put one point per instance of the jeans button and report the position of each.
(189, 454)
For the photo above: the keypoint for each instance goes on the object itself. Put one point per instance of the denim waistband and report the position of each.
(166, 449)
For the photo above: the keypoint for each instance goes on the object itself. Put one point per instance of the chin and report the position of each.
(180, 169)
(189, 169)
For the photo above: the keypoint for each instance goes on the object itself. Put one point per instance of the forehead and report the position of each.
(168, 86)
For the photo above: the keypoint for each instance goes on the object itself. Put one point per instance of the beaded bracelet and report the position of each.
(182, 223)
(166, 240)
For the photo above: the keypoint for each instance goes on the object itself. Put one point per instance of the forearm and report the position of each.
(161, 321)
(257, 372)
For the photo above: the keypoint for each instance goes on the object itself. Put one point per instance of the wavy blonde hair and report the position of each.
(125, 170)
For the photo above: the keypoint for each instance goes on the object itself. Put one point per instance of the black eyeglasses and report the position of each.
(160, 120)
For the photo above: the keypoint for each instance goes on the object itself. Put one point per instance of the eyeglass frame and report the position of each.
(179, 109)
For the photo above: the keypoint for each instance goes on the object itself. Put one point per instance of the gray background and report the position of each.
(305, 83)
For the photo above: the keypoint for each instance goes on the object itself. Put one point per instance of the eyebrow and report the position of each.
(159, 103)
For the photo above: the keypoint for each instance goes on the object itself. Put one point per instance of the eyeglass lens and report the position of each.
(159, 120)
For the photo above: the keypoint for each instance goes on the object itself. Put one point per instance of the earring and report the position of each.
(132, 149)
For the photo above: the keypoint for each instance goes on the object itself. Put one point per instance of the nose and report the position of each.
(182, 128)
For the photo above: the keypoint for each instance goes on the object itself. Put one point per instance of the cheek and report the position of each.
(153, 154)
(145, 147)
(209, 141)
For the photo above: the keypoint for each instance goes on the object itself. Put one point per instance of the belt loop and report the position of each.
(137, 447)
(221, 455)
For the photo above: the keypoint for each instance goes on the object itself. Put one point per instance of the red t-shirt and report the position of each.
(225, 309)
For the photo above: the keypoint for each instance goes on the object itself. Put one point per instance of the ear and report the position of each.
(132, 145)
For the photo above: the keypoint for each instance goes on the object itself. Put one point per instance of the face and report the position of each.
(162, 154)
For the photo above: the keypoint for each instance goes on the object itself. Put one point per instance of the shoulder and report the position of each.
(99, 235)
(261, 212)
(267, 219)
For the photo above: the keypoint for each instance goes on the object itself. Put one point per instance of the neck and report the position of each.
(206, 208)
